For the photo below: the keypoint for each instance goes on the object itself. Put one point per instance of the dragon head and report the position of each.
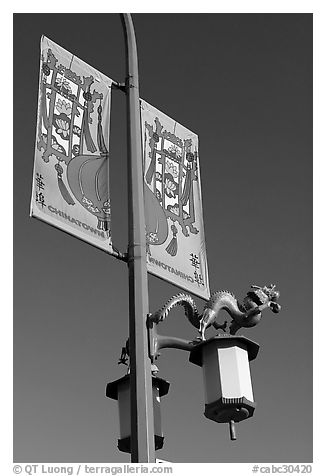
(271, 292)
(266, 295)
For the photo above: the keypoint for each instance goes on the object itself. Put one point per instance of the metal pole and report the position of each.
(142, 420)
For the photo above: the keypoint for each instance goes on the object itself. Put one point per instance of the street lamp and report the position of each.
(224, 358)
(247, 314)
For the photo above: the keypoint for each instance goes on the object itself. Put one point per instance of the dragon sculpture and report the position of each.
(245, 314)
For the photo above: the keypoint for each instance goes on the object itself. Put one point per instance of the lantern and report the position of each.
(120, 390)
(227, 383)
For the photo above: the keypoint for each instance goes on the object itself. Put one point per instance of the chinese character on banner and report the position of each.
(70, 186)
(175, 238)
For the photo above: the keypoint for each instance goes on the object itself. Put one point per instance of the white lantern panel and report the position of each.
(157, 412)
(124, 409)
(235, 373)
(212, 386)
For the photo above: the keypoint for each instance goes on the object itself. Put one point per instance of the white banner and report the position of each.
(175, 238)
(70, 179)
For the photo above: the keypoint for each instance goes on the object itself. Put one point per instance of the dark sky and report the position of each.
(243, 83)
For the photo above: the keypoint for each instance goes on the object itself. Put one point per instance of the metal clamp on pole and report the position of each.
(120, 86)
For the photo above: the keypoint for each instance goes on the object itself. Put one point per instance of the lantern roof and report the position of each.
(225, 340)
(112, 388)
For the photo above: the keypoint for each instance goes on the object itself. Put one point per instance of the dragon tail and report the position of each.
(183, 300)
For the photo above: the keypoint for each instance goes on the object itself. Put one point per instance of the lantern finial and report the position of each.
(233, 435)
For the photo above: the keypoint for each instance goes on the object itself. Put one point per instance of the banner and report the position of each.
(175, 239)
(70, 179)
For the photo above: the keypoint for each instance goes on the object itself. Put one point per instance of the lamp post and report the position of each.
(140, 391)
(141, 399)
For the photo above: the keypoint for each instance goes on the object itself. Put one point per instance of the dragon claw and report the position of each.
(198, 339)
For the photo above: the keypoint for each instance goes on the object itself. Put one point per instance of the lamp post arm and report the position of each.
(169, 342)
(157, 341)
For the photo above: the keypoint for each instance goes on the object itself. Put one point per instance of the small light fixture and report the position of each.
(227, 382)
(120, 390)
